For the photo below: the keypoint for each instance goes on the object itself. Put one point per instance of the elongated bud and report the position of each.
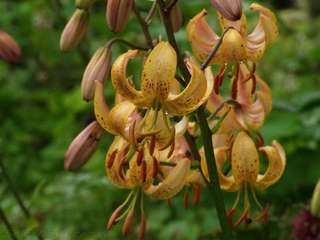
(128, 222)
(97, 69)
(82, 147)
(75, 30)
(176, 17)
(9, 49)
(117, 14)
(84, 4)
(229, 9)
(315, 202)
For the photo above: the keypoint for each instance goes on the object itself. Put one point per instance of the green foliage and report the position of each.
(41, 111)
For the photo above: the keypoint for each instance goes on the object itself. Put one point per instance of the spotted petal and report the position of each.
(194, 95)
(158, 72)
(122, 84)
(173, 183)
(276, 165)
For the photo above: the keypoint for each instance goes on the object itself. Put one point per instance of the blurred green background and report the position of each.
(42, 111)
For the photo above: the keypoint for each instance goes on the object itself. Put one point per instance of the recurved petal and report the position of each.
(276, 157)
(201, 36)
(256, 44)
(120, 81)
(173, 183)
(264, 94)
(194, 95)
(267, 23)
(113, 164)
(245, 159)
(101, 109)
(158, 72)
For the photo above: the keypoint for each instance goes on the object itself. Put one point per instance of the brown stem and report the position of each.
(171, 5)
(6, 222)
(144, 26)
(125, 42)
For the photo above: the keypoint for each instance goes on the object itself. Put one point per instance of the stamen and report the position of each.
(169, 202)
(140, 156)
(235, 83)
(142, 226)
(132, 134)
(230, 213)
(155, 167)
(143, 171)
(152, 144)
(112, 158)
(196, 194)
(126, 228)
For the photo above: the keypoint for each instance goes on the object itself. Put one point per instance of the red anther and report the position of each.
(234, 93)
(263, 215)
(243, 218)
(112, 158)
(152, 144)
(113, 218)
(155, 167)
(140, 156)
(128, 222)
(173, 144)
(143, 171)
(143, 224)
(186, 200)
(230, 214)
(196, 194)
(260, 139)
(132, 135)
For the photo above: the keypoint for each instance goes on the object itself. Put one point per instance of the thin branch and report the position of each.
(214, 50)
(144, 26)
(151, 13)
(16, 194)
(6, 222)
(127, 43)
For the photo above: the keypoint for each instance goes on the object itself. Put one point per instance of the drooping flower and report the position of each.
(237, 44)
(245, 172)
(251, 106)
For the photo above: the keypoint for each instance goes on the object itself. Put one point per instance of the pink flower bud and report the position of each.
(82, 147)
(117, 14)
(9, 49)
(176, 17)
(229, 9)
(84, 4)
(75, 30)
(97, 69)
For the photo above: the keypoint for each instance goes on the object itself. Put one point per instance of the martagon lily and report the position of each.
(237, 44)
(245, 174)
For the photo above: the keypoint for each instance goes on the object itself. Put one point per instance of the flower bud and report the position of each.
(315, 202)
(84, 4)
(229, 9)
(9, 49)
(82, 147)
(176, 17)
(75, 30)
(97, 69)
(117, 14)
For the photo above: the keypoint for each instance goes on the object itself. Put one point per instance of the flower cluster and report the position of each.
(151, 153)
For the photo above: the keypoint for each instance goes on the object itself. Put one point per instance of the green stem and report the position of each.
(205, 131)
(6, 222)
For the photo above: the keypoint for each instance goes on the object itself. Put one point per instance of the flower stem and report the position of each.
(205, 130)
(6, 222)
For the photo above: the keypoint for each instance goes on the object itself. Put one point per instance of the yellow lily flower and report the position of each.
(245, 171)
(237, 44)
(158, 79)
(252, 107)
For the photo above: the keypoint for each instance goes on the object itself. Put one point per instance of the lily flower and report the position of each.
(237, 44)
(245, 174)
(252, 106)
